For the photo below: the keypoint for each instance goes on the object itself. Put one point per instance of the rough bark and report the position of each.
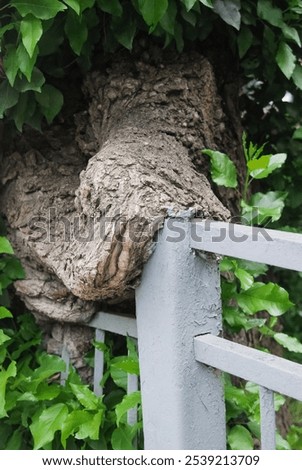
(84, 201)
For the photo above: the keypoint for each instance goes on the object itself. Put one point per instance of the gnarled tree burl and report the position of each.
(83, 206)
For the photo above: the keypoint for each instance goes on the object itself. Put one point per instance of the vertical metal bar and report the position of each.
(98, 363)
(178, 299)
(66, 358)
(268, 419)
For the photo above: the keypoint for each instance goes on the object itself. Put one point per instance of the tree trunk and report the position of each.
(84, 229)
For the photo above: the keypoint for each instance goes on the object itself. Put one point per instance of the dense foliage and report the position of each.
(36, 411)
(41, 39)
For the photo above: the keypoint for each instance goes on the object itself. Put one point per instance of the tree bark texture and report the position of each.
(83, 203)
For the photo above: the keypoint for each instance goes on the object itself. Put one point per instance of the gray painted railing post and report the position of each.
(178, 299)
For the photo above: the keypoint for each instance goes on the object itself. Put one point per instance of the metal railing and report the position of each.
(178, 326)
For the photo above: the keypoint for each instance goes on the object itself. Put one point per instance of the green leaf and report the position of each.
(124, 30)
(25, 62)
(286, 60)
(223, 170)
(36, 83)
(10, 63)
(265, 165)
(297, 76)
(270, 297)
(13, 268)
(113, 7)
(244, 40)
(91, 429)
(74, 4)
(31, 31)
(76, 30)
(245, 278)
(239, 438)
(129, 401)
(263, 207)
(168, 20)
(189, 4)
(43, 9)
(270, 13)
(9, 97)
(5, 246)
(288, 342)
(152, 10)
(85, 396)
(49, 365)
(11, 371)
(291, 34)
(122, 438)
(50, 101)
(126, 364)
(238, 320)
(207, 3)
(229, 11)
(46, 424)
(3, 336)
(4, 313)
(72, 423)
(297, 134)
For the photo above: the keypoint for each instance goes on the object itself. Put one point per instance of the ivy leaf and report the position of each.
(10, 64)
(122, 438)
(77, 32)
(288, 342)
(124, 30)
(129, 401)
(9, 97)
(46, 424)
(291, 34)
(240, 438)
(5, 246)
(245, 278)
(297, 76)
(90, 429)
(85, 396)
(229, 11)
(31, 31)
(189, 4)
(51, 101)
(244, 40)
(126, 364)
(25, 62)
(265, 165)
(270, 297)
(270, 13)
(74, 4)
(13, 268)
(3, 337)
(264, 206)
(11, 371)
(4, 313)
(152, 10)
(207, 3)
(223, 170)
(43, 9)
(297, 135)
(35, 84)
(113, 7)
(286, 59)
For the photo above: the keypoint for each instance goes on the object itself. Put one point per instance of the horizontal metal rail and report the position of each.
(114, 323)
(267, 370)
(273, 247)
